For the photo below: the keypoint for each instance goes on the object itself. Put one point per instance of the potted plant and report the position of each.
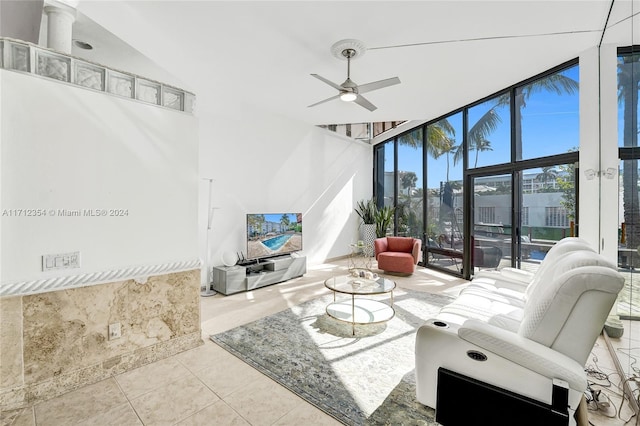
(367, 210)
(383, 219)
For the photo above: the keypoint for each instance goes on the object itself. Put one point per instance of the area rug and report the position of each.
(366, 379)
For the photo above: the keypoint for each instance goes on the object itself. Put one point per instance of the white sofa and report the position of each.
(507, 352)
(518, 279)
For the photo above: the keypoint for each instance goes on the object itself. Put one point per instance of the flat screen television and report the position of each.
(273, 234)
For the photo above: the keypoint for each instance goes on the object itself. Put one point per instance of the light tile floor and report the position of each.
(209, 386)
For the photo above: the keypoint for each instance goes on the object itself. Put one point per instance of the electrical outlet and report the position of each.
(61, 261)
(115, 331)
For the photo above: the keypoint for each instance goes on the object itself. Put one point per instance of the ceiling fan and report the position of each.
(350, 91)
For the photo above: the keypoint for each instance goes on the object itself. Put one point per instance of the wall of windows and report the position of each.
(626, 178)
(501, 166)
(409, 217)
(398, 175)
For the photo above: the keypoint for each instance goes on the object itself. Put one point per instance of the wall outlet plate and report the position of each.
(115, 331)
(61, 261)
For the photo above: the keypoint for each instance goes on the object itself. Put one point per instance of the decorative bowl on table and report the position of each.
(363, 273)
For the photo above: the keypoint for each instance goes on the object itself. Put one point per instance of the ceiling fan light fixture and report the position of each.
(348, 96)
(350, 91)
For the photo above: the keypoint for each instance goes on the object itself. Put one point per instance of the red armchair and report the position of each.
(397, 254)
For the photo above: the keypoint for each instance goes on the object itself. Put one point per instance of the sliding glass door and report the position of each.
(491, 221)
(518, 216)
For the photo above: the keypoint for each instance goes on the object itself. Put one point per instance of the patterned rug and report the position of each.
(366, 379)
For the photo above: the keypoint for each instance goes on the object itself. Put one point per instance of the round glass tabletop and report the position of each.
(357, 285)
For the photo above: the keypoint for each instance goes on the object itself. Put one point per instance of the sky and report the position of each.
(550, 125)
(275, 217)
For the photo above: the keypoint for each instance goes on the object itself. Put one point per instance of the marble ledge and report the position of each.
(139, 273)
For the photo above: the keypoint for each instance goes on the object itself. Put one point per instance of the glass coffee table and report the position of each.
(360, 310)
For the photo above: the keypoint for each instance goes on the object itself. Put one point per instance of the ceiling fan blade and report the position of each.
(326, 100)
(364, 88)
(330, 83)
(363, 102)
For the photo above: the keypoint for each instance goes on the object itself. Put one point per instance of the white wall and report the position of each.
(262, 162)
(69, 148)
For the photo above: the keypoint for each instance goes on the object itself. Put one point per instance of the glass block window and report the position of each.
(486, 214)
(525, 216)
(19, 57)
(556, 217)
(189, 102)
(148, 92)
(53, 66)
(32, 59)
(120, 84)
(172, 98)
(89, 76)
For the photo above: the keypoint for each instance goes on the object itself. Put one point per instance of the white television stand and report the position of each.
(235, 279)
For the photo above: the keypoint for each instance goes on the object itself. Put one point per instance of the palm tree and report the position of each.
(412, 139)
(557, 83)
(477, 137)
(455, 149)
(408, 180)
(566, 179)
(481, 145)
(628, 79)
(284, 220)
(403, 206)
(548, 173)
(440, 137)
(441, 140)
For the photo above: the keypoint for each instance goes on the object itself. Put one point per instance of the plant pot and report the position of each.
(368, 235)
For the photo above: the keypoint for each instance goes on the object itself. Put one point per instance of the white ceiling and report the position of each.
(262, 53)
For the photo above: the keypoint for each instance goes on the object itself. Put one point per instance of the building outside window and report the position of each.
(556, 217)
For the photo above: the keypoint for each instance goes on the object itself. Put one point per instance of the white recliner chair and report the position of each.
(491, 358)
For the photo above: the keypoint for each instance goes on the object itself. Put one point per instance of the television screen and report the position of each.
(273, 234)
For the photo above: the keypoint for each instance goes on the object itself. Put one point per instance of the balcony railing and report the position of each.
(20, 56)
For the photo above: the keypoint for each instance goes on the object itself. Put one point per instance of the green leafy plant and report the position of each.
(383, 219)
(367, 210)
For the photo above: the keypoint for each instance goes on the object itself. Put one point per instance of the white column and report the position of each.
(609, 186)
(599, 149)
(589, 192)
(60, 27)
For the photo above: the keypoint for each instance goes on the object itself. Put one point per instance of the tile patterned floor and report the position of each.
(207, 385)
